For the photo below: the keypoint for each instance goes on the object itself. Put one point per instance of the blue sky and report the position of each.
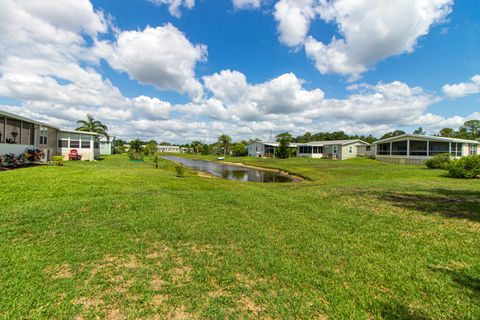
(181, 70)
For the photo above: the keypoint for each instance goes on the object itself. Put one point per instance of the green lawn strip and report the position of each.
(362, 239)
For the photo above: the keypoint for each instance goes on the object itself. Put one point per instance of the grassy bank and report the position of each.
(361, 239)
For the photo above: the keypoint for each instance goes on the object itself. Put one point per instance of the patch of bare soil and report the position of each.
(248, 305)
(159, 299)
(157, 283)
(59, 271)
(88, 302)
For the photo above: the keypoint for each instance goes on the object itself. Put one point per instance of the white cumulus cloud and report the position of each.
(293, 18)
(247, 4)
(174, 5)
(161, 56)
(369, 31)
(462, 89)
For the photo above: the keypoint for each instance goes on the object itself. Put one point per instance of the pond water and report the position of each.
(232, 172)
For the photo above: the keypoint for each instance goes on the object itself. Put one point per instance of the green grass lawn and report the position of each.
(116, 239)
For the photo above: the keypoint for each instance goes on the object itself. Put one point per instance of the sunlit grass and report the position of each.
(361, 239)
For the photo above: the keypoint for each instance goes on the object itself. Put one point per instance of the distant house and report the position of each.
(171, 149)
(264, 149)
(336, 149)
(17, 134)
(415, 149)
(107, 146)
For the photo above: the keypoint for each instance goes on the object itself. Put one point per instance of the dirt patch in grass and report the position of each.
(88, 302)
(159, 300)
(160, 250)
(115, 314)
(180, 274)
(157, 283)
(180, 313)
(220, 292)
(248, 305)
(59, 271)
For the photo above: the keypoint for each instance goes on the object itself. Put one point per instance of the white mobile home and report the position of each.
(265, 149)
(262, 149)
(415, 149)
(171, 149)
(336, 149)
(86, 143)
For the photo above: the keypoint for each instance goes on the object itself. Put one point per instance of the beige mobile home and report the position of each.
(415, 149)
(336, 149)
(17, 134)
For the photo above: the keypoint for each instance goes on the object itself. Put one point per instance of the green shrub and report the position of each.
(180, 169)
(466, 167)
(57, 161)
(135, 156)
(440, 161)
(156, 159)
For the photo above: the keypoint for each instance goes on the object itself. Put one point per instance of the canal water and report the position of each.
(232, 172)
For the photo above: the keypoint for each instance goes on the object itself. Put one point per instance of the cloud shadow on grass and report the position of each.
(461, 204)
(399, 311)
(462, 278)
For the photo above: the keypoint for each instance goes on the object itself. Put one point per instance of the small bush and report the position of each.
(156, 159)
(10, 160)
(466, 167)
(135, 156)
(57, 161)
(34, 155)
(21, 160)
(440, 161)
(180, 169)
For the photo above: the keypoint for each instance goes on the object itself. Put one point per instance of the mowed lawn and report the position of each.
(361, 240)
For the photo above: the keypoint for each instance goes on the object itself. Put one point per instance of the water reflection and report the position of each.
(232, 172)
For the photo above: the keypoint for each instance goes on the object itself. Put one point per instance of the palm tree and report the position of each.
(225, 141)
(92, 125)
(197, 146)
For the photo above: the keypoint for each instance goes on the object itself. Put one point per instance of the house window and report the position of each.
(456, 149)
(74, 140)
(473, 149)
(12, 134)
(2, 129)
(350, 150)
(418, 148)
(334, 150)
(437, 148)
(399, 148)
(383, 149)
(43, 135)
(63, 141)
(85, 141)
(367, 148)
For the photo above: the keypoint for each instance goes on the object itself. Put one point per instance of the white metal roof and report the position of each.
(274, 144)
(80, 132)
(332, 142)
(434, 138)
(17, 117)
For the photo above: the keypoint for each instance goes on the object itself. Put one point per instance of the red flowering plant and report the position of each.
(34, 155)
(10, 159)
